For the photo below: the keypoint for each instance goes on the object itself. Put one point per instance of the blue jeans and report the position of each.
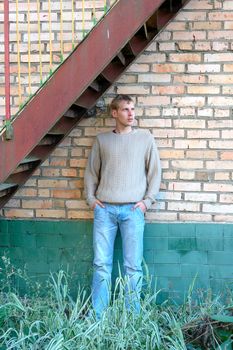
(131, 224)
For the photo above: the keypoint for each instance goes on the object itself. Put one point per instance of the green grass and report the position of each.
(48, 318)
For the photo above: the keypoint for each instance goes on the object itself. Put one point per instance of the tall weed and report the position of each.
(58, 322)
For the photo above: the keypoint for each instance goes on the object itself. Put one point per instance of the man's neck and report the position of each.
(123, 130)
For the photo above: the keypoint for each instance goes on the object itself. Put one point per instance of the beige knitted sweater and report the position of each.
(123, 168)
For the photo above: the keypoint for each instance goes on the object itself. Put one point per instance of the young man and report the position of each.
(122, 179)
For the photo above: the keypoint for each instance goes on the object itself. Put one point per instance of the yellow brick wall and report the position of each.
(182, 87)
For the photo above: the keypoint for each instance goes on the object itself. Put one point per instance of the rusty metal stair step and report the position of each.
(91, 94)
(137, 45)
(143, 36)
(50, 139)
(6, 192)
(88, 98)
(58, 132)
(100, 84)
(6, 189)
(95, 85)
(167, 10)
(128, 53)
(63, 126)
(21, 177)
(55, 131)
(75, 112)
(26, 167)
(42, 152)
(146, 31)
(26, 164)
(113, 71)
(122, 57)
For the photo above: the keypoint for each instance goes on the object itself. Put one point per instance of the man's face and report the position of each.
(125, 114)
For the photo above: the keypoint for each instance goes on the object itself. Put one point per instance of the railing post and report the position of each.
(9, 131)
(7, 59)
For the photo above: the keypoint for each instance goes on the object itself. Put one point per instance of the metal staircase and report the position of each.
(76, 86)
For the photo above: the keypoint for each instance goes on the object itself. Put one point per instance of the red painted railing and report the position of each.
(7, 60)
(39, 36)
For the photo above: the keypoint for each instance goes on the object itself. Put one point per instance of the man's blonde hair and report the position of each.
(119, 98)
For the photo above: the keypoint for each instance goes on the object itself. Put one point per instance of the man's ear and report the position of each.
(114, 113)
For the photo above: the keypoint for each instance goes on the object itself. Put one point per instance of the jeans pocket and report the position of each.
(96, 209)
(139, 210)
(99, 213)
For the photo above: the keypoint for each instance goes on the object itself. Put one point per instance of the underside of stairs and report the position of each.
(72, 92)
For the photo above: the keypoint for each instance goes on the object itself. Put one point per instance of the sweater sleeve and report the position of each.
(92, 173)
(153, 169)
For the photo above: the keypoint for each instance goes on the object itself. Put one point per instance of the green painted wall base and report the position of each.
(174, 253)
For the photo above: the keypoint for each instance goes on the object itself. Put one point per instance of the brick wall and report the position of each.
(182, 86)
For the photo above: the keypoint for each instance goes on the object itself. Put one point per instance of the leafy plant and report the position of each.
(56, 321)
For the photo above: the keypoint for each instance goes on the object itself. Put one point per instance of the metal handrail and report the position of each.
(39, 53)
(7, 60)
